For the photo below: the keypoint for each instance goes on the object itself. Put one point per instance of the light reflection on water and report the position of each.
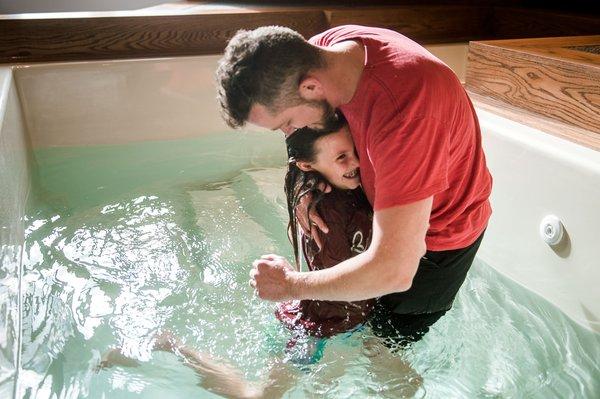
(178, 258)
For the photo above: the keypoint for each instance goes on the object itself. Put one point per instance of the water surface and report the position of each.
(125, 241)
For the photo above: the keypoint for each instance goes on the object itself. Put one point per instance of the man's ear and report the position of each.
(304, 166)
(311, 89)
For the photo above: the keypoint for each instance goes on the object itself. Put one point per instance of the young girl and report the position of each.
(316, 159)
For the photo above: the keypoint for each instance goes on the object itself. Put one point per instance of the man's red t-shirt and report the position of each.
(417, 135)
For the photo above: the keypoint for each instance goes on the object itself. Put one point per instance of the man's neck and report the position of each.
(345, 64)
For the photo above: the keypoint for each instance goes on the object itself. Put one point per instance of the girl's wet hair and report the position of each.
(298, 183)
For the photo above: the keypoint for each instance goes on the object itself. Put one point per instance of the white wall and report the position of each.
(454, 55)
(27, 6)
(117, 102)
(14, 186)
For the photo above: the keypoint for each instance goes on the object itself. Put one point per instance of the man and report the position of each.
(421, 162)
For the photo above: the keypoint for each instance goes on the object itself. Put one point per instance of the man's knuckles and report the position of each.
(264, 266)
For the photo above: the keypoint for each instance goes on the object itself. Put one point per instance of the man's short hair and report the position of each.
(263, 66)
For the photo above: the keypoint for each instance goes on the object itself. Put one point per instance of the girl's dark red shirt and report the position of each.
(349, 217)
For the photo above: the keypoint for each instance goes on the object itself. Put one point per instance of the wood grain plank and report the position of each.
(424, 24)
(562, 53)
(554, 48)
(556, 128)
(55, 39)
(513, 22)
(541, 42)
(565, 91)
(204, 27)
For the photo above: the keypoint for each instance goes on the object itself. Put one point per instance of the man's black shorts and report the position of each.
(408, 315)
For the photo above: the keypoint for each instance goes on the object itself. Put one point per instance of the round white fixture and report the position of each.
(551, 230)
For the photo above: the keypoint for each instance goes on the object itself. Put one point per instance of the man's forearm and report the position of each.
(389, 265)
(364, 276)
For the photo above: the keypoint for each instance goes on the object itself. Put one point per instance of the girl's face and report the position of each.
(336, 160)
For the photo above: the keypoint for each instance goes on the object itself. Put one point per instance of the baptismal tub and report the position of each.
(127, 207)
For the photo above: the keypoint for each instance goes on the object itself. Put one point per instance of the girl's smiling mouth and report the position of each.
(352, 174)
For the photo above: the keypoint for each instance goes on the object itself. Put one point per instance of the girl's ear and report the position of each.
(304, 166)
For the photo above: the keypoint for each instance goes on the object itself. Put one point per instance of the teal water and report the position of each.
(125, 241)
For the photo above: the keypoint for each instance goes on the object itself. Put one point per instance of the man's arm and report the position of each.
(389, 265)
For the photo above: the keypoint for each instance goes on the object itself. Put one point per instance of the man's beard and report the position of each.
(331, 120)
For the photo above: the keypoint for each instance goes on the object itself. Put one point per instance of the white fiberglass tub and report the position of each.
(48, 107)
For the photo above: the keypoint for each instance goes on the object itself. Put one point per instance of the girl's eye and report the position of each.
(341, 156)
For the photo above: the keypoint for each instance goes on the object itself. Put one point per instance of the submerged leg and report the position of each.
(217, 375)
(394, 375)
(225, 380)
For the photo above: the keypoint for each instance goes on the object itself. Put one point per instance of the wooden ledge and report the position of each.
(552, 77)
(206, 28)
(565, 131)
(570, 50)
(60, 37)
(199, 28)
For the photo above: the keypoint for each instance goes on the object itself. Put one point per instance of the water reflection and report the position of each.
(119, 272)
(114, 264)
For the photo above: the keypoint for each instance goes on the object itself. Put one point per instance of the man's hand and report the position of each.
(306, 219)
(271, 278)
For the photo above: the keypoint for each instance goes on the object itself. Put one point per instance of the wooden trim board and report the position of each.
(568, 132)
(199, 28)
(543, 76)
(65, 38)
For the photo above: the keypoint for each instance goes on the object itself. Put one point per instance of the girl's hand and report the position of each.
(306, 219)
(114, 357)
